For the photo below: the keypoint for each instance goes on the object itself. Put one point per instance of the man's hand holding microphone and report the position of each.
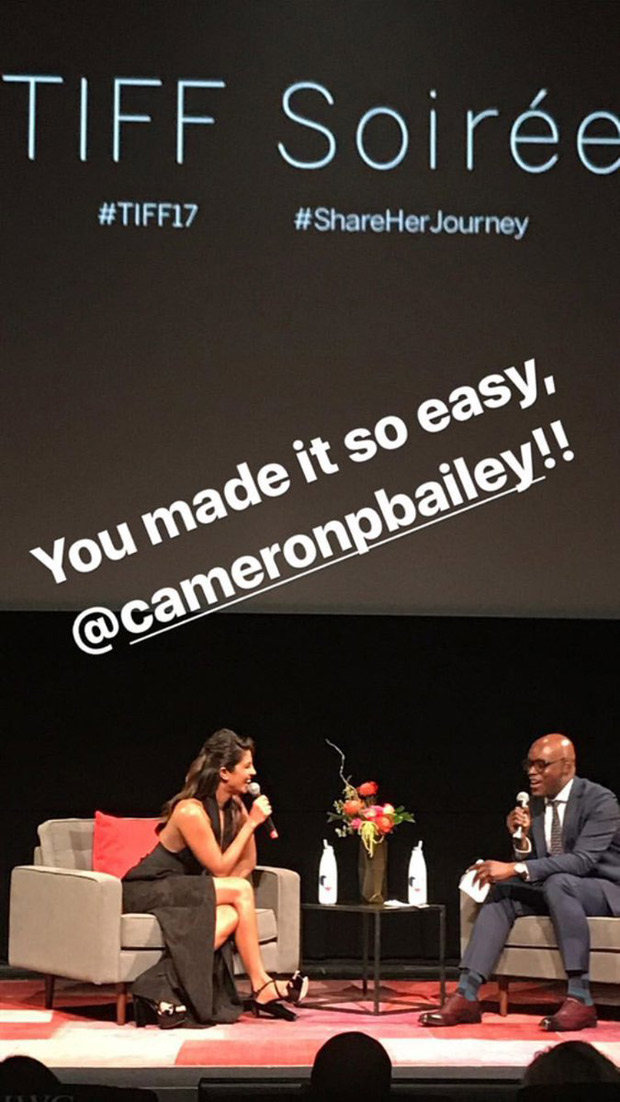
(519, 822)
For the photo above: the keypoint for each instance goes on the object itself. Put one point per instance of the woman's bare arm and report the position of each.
(191, 821)
(247, 862)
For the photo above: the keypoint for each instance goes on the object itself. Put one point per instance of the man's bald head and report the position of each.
(551, 764)
(556, 744)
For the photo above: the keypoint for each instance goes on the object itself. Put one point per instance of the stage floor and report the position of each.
(80, 1033)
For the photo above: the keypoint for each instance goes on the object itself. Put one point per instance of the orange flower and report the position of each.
(384, 824)
(369, 788)
(352, 807)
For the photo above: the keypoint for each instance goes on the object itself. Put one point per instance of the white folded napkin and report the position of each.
(478, 892)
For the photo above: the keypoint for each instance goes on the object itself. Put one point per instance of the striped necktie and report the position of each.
(556, 846)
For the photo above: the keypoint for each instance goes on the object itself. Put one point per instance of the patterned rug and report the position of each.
(81, 1031)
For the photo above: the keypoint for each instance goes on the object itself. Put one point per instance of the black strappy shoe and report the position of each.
(296, 988)
(275, 1008)
(164, 1015)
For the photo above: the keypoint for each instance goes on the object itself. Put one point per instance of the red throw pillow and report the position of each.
(119, 844)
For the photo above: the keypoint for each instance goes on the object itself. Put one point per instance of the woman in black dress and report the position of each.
(195, 883)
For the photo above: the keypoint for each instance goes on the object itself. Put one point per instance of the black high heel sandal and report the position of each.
(164, 1015)
(275, 1008)
(296, 988)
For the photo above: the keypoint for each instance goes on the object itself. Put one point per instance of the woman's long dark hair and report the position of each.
(223, 750)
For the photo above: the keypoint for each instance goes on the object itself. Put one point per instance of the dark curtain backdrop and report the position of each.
(439, 710)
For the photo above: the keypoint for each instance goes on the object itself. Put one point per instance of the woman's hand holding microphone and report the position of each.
(260, 811)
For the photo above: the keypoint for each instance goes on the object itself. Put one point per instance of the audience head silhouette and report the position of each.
(25, 1075)
(570, 1072)
(571, 1062)
(351, 1065)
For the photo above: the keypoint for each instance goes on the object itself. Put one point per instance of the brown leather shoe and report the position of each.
(456, 1010)
(572, 1015)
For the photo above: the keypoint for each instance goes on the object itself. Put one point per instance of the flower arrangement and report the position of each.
(359, 813)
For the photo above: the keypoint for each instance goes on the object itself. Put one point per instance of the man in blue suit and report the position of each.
(567, 866)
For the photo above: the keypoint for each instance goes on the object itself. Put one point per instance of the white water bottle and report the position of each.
(416, 878)
(328, 875)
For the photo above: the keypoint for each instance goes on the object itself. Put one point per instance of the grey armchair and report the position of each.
(531, 952)
(66, 920)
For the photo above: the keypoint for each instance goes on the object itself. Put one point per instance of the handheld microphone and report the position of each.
(254, 790)
(523, 799)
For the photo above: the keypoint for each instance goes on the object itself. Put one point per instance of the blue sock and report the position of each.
(469, 984)
(579, 987)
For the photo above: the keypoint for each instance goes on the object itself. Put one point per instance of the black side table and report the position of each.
(366, 910)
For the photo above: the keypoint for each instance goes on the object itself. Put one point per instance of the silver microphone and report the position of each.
(254, 790)
(523, 798)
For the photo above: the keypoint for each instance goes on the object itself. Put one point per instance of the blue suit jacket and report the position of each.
(590, 835)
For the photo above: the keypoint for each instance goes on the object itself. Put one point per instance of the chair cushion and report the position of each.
(536, 931)
(66, 843)
(533, 930)
(142, 931)
(119, 844)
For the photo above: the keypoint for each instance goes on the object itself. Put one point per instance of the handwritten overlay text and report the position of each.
(453, 487)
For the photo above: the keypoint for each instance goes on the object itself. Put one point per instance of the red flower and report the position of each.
(369, 788)
(352, 807)
(384, 824)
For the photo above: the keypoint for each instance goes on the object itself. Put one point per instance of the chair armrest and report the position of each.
(469, 912)
(279, 890)
(66, 922)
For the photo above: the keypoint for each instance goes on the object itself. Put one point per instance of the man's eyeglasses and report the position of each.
(538, 765)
